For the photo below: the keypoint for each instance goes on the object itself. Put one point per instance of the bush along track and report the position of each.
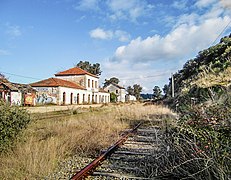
(200, 143)
(12, 121)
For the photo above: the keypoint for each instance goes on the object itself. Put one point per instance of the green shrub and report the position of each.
(12, 121)
(209, 127)
(113, 97)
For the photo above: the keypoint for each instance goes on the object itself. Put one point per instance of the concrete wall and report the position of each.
(72, 96)
(122, 95)
(92, 83)
(76, 96)
(79, 79)
(66, 96)
(46, 95)
(83, 80)
(103, 97)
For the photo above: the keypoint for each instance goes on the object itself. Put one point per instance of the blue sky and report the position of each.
(138, 41)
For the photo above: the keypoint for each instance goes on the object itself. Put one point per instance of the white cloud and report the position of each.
(4, 52)
(226, 3)
(144, 74)
(129, 9)
(190, 19)
(100, 33)
(189, 36)
(87, 5)
(144, 56)
(13, 31)
(123, 36)
(181, 5)
(196, 19)
(204, 3)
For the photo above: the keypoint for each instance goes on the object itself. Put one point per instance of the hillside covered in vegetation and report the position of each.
(206, 77)
(201, 141)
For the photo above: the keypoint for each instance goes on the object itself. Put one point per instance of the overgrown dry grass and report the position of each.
(209, 78)
(48, 141)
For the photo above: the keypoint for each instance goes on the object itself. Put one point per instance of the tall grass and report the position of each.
(48, 141)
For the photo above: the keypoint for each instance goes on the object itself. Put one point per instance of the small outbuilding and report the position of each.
(15, 93)
(118, 90)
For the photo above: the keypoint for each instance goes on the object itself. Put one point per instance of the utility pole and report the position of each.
(172, 85)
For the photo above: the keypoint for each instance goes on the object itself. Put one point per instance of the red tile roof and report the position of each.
(75, 71)
(55, 82)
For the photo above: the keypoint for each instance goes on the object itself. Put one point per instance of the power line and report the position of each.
(144, 77)
(28, 77)
(167, 72)
(221, 32)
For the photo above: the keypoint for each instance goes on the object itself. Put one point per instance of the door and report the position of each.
(71, 100)
(64, 98)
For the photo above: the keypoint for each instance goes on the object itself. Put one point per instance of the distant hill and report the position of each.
(146, 96)
(205, 77)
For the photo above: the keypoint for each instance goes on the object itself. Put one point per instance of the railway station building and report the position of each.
(72, 86)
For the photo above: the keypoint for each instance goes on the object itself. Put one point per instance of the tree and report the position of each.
(130, 90)
(91, 68)
(157, 92)
(111, 80)
(137, 90)
(166, 90)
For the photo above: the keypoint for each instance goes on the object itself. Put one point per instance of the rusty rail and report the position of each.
(87, 170)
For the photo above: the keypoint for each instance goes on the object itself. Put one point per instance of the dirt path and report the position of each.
(44, 109)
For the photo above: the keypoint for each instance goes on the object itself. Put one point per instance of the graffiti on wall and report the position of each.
(29, 99)
(46, 95)
(46, 99)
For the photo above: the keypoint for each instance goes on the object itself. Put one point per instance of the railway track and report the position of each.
(128, 157)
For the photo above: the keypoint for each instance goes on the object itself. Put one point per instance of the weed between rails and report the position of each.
(48, 141)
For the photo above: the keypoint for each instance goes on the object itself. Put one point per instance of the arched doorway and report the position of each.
(83, 98)
(89, 99)
(64, 98)
(71, 100)
(78, 98)
(96, 99)
(92, 99)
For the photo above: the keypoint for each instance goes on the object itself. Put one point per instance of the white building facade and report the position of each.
(118, 90)
(73, 86)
